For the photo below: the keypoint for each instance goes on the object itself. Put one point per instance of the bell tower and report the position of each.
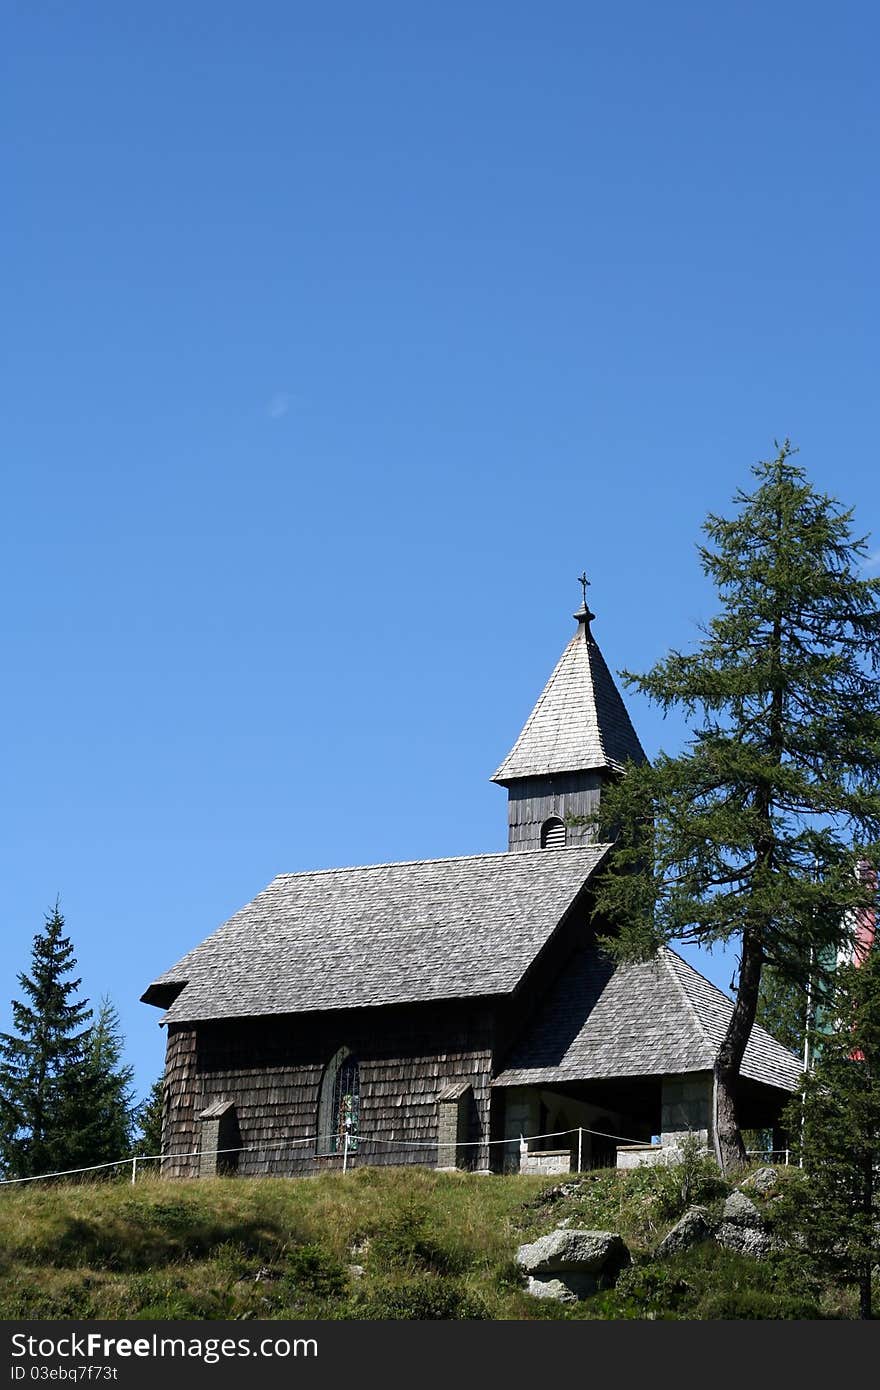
(577, 737)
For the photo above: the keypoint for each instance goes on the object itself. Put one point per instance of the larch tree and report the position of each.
(752, 835)
(785, 1008)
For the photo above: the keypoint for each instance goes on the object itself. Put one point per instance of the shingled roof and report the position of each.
(382, 934)
(579, 723)
(660, 1017)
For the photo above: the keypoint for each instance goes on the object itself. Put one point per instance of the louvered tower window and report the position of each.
(553, 834)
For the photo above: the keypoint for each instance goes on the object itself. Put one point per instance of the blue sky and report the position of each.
(339, 340)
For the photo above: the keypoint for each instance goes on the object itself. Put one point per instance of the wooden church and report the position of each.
(454, 1012)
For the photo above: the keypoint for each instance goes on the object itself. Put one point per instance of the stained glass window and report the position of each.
(346, 1105)
(339, 1104)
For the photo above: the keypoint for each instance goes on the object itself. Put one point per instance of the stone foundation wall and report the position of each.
(641, 1155)
(545, 1164)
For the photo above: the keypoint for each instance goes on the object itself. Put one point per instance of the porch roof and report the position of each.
(657, 1018)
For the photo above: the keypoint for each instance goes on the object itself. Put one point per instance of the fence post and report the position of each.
(580, 1147)
(134, 1169)
(345, 1151)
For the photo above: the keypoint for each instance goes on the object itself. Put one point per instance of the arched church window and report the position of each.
(553, 833)
(339, 1104)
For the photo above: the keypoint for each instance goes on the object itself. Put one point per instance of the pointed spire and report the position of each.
(580, 722)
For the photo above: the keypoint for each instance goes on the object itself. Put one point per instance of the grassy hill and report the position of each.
(376, 1243)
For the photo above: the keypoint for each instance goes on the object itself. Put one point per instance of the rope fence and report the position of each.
(354, 1145)
(351, 1146)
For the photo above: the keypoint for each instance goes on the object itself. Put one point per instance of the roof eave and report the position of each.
(312, 1012)
(504, 779)
(163, 993)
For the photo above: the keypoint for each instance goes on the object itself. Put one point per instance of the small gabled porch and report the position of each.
(560, 1126)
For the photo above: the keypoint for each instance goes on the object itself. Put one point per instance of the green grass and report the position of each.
(376, 1243)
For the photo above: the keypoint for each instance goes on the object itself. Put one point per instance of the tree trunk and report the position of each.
(865, 1293)
(729, 1148)
(868, 1208)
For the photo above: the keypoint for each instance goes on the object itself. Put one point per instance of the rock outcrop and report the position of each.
(763, 1181)
(690, 1230)
(742, 1228)
(569, 1265)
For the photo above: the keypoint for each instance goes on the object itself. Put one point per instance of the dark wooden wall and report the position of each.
(272, 1068)
(533, 800)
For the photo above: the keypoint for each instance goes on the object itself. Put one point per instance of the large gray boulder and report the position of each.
(690, 1230)
(587, 1251)
(740, 1210)
(742, 1228)
(563, 1288)
(569, 1264)
(763, 1181)
(746, 1240)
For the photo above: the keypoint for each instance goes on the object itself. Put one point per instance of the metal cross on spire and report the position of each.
(583, 614)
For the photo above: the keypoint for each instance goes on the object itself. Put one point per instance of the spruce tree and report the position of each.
(98, 1096)
(149, 1120)
(833, 1214)
(42, 1060)
(752, 834)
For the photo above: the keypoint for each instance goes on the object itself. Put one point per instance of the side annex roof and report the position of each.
(657, 1017)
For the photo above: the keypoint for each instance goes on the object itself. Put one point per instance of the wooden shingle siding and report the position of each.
(534, 800)
(272, 1069)
(180, 1126)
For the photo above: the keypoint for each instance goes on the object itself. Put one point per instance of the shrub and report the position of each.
(425, 1298)
(656, 1288)
(756, 1303)
(234, 1260)
(19, 1298)
(407, 1243)
(164, 1295)
(313, 1272)
(695, 1178)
